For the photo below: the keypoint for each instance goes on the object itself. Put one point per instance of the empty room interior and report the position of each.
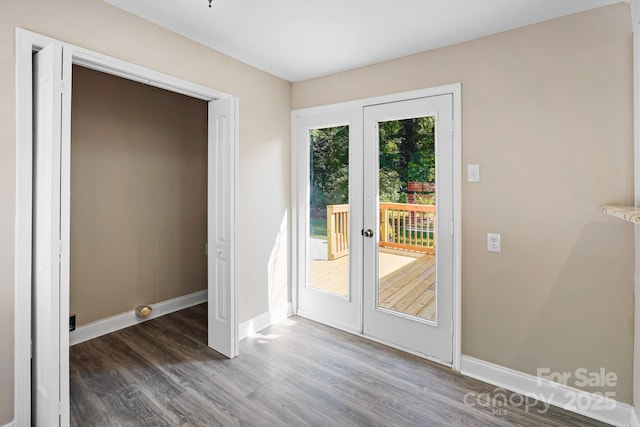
(220, 213)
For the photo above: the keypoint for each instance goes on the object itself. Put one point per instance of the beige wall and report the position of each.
(264, 143)
(139, 195)
(547, 113)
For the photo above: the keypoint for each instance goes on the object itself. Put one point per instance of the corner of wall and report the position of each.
(264, 320)
(635, 25)
(635, 416)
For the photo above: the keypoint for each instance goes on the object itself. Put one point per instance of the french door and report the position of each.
(408, 217)
(375, 191)
(330, 219)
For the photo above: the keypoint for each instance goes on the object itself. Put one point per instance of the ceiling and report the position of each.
(302, 39)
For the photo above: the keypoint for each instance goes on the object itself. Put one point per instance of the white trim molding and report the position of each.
(329, 321)
(264, 320)
(124, 320)
(11, 424)
(457, 226)
(571, 399)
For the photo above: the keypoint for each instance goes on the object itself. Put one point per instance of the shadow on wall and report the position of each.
(596, 331)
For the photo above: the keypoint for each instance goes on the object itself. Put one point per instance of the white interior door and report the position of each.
(328, 159)
(408, 217)
(221, 226)
(50, 276)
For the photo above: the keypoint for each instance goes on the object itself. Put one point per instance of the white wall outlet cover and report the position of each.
(494, 243)
(473, 173)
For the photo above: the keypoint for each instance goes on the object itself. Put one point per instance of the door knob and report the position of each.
(367, 233)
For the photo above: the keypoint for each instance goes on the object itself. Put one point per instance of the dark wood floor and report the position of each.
(295, 373)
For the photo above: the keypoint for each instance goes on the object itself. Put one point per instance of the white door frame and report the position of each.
(26, 43)
(298, 252)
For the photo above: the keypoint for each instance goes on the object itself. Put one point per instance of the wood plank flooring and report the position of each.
(295, 373)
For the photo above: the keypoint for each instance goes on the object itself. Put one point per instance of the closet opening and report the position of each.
(163, 229)
(138, 228)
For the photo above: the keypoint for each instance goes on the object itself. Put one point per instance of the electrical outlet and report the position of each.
(494, 243)
(72, 322)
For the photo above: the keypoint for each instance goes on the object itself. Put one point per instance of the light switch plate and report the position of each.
(473, 173)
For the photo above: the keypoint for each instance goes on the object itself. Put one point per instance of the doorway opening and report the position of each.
(378, 191)
(138, 171)
(138, 211)
(44, 249)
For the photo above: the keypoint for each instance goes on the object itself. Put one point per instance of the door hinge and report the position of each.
(60, 408)
(206, 249)
(59, 250)
(451, 327)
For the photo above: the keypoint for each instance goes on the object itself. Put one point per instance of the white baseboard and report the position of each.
(635, 418)
(568, 398)
(329, 321)
(11, 424)
(124, 320)
(264, 320)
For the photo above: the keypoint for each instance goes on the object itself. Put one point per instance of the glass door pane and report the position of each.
(328, 210)
(407, 212)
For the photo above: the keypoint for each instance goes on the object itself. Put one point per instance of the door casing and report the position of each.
(26, 43)
(297, 173)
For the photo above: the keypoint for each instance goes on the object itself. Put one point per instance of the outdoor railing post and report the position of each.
(331, 233)
(337, 231)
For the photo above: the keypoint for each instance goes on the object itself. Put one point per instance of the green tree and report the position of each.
(406, 153)
(329, 167)
(407, 147)
(390, 186)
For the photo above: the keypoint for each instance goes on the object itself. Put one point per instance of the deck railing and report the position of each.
(408, 226)
(402, 226)
(337, 231)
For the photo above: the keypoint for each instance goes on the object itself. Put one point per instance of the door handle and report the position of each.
(367, 233)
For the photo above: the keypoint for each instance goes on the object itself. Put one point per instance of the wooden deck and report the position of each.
(407, 281)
